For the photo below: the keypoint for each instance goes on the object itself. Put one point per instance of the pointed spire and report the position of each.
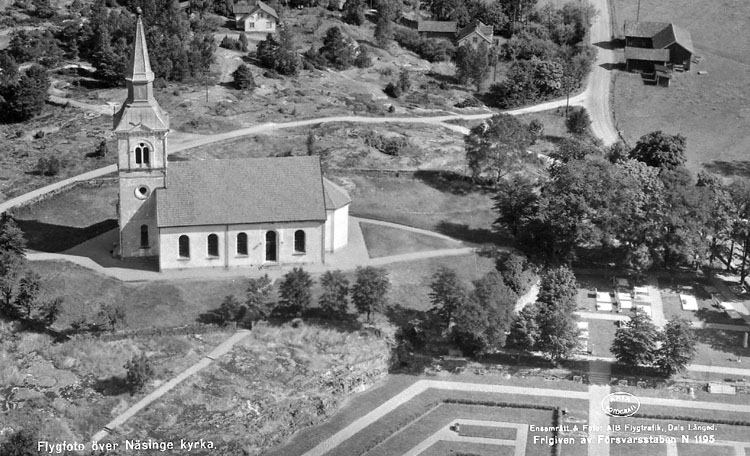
(140, 67)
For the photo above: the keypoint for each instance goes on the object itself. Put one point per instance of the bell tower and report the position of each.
(141, 128)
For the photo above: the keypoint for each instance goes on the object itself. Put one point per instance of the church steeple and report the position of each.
(140, 107)
(139, 71)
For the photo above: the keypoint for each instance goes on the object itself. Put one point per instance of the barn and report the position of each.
(657, 43)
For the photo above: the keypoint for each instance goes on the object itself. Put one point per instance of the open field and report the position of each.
(428, 146)
(65, 133)
(709, 110)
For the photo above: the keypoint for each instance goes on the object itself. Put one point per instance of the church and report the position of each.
(216, 213)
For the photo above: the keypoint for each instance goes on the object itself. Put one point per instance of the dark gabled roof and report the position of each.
(662, 34)
(650, 55)
(250, 9)
(485, 31)
(437, 26)
(673, 34)
(644, 29)
(218, 192)
(336, 197)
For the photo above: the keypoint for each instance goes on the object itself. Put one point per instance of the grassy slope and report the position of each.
(710, 110)
(384, 241)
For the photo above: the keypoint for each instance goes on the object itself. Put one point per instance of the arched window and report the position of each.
(184, 246)
(142, 154)
(144, 236)
(242, 244)
(213, 245)
(299, 241)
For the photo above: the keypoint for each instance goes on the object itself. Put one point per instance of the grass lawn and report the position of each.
(426, 202)
(71, 217)
(385, 241)
(419, 412)
(447, 448)
(673, 287)
(710, 110)
(361, 404)
(601, 335)
(720, 348)
(445, 414)
(722, 431)
(692, 449)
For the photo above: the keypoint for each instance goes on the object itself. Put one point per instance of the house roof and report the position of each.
(651, 55)
(484, 31)
(233, 191)
(638, 29)
(250, 9)
(336, 197)
(662, 34)
(437, 26)
(663, 71)
(673, 34)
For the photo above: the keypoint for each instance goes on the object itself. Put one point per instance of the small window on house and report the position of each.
(251, 25)
(184, 246)
(474, 39)
(213, 245)
(242, 244)
(299, 241)
(144, 236)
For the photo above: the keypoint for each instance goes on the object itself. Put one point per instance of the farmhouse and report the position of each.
(657, 43)
(216, 213)
(476, 33)
(255, 17)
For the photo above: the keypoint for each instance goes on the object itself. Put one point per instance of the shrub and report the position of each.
(469, 102)
(47, 166)
(101, 150)
(392, 145)
(243, 78)
(139, 372)
(232, 44)
(578, 121)
(363, 59)
(393, 90)
(429, 49)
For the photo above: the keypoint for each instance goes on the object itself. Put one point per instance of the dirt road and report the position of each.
(596, 95)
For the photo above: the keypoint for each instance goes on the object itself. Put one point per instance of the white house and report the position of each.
(256, 17)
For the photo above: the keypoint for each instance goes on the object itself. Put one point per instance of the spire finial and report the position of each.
(138, 11)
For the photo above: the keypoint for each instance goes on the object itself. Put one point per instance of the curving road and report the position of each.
(595, 99)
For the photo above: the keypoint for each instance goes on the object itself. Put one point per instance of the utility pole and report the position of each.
(638, 13)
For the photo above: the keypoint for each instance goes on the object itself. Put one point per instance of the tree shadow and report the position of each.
(729, 342)
(610, 45)
(613, 66)
(448, 181)
(712, 315)
(446, 78)
(464, 232)
(47, 237)
(729, 168)
(401, 316)
(112, 386)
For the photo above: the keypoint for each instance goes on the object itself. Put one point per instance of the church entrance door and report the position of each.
(271, 246)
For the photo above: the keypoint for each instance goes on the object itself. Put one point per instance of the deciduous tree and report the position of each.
(448, 294)
(138, 372)
(677, 346)
(635, 343)
(335, 297)
(370, 290)
(295, 290)
(660, 150)
(497, 148)
(243, 78)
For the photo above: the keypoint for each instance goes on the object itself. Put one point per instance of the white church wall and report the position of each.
(341, 227)
(228, 256)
